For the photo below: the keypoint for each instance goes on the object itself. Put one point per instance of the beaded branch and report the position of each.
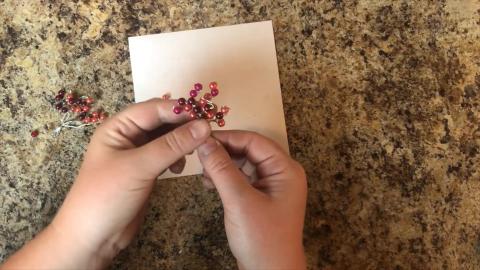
(203, 108)
(77, 112)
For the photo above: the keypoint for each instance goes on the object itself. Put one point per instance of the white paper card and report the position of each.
(240, 58)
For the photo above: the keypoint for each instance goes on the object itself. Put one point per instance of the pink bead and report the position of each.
(213, 85)
(207, 96)
(202, 102)
(187, 108)
(177, 109)
(193, 115)
(214, 92)
(193, 93)
(198, 87)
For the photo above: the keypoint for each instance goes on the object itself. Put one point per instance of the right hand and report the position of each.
(263, 220)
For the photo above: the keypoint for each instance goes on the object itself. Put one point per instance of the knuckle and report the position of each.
(220, 164)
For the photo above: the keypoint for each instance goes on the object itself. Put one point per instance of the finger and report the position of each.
(159, 154)
(134, 122)
(264, 154)
(227, 178)
(178, 166)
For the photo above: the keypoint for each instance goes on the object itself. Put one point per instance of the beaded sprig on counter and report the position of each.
(77, 111)
(204, 107)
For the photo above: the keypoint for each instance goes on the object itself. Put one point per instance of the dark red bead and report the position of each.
(187, 107)
(221, 122)
(58, 97)
(191, 101)
(61, 92)
(34, 133)
(207, 96)
(181, 101)
(198, 86)
(82, 115)
(214, 92)
(219, 115)
(59, 106)
(64, 109)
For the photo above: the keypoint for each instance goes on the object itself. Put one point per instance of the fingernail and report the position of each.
(199, 129)
(207, 147)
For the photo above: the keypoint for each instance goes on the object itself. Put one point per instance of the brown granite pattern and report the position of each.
(382, 105)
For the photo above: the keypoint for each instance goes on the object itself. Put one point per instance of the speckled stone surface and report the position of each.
(382, 107)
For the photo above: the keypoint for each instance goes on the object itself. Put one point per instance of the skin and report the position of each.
(106, 205)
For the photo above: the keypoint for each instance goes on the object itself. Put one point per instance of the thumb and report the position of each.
(159, 154)
(230, 182)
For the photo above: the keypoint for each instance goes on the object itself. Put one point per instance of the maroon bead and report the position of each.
(193, 93)
(64, 109)
(61, 92)
(71, 101)
(219, 115)
(34, 133)
(82, 115)
(191, 101)
(58, 106)
(198, 87)
(197, 109)
(177, 109)
(214, 92)
(181, 101)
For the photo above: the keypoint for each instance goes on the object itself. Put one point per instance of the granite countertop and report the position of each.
(382, 109)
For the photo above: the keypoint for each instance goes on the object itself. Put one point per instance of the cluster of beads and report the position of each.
(204, 107)
(77, 111)
(80, 107)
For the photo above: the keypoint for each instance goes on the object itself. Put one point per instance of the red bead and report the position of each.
(207, 96)
(86, 120)
(34, 133)
(93, 119)
(214, 92)
(219, 115)
(187, 108)
(192, 115)
(71, 101)
(213, 85)
(69, 96)
(76, 109)
(193, 93)
(177, 109)
(89, 100)
(202, 102)
(198, 87)
(225, 110)
(221, 122)
(95, 114)
(85, 108)
(191, 101)
(210, 115)
(181, 101)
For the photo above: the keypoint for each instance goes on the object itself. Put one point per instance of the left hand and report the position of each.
(106, 204)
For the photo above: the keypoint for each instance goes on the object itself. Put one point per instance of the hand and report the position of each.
(263, 220)
(105, 206)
